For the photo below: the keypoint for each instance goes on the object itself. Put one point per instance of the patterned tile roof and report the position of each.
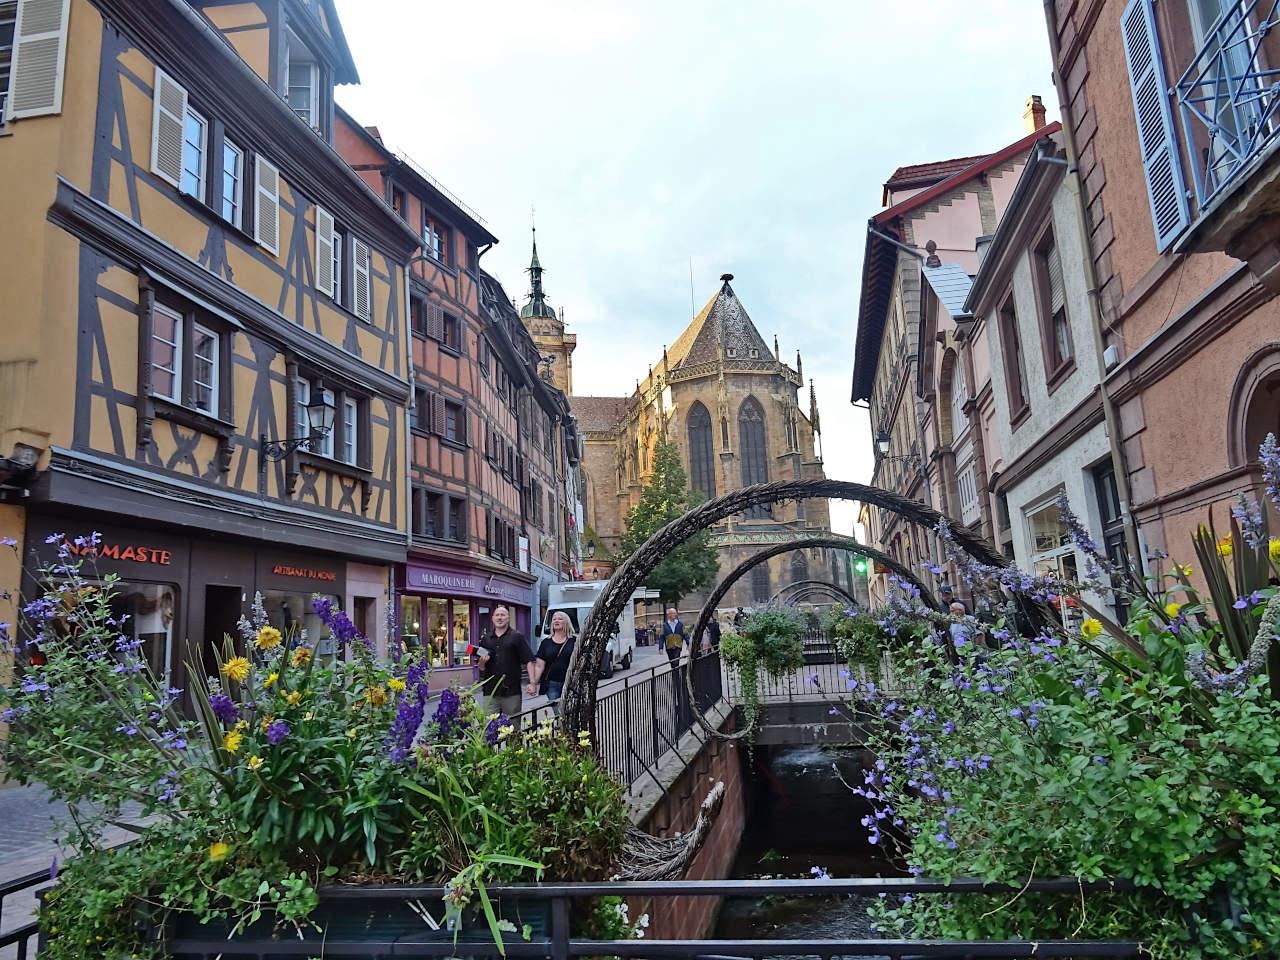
(722, 321)
(597, 414)
(951, 283)
(920, 173)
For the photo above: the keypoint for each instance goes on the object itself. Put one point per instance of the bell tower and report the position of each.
(547, 330)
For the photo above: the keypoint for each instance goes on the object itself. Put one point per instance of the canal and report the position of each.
(800, 815)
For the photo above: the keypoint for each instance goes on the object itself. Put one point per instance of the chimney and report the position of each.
(1033, 113)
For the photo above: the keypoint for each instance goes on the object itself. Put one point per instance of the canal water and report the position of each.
(800, 816)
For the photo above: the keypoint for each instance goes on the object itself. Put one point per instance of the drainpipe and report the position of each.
(1076, 187)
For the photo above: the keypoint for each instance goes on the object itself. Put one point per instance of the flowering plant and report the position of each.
(277, 773)
(770, 640)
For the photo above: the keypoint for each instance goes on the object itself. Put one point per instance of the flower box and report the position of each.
(380, 917)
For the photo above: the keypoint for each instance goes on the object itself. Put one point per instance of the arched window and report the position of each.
(702, 474)
(1255, 405)
(760, 583)
(799, 568)
(751, 446)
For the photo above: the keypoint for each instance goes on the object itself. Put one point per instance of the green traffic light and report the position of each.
(860, 566)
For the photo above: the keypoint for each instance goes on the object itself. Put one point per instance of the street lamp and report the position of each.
(319, 418)
(882, 448)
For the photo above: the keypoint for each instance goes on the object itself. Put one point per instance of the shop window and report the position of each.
(1052, 551)
(410, 624)
(292, 612)
(149, 614)
(436, 631)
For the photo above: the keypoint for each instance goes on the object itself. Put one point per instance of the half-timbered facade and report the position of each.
(464, 464)
(194, 268)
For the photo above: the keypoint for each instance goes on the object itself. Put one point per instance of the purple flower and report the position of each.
(819, 873)
(344, 631)
(446, 715)
(495, 725)
(277, 732)
(409, 713)
(224, 708)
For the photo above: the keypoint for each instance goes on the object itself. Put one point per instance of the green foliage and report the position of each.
(858, 636)
(666, 497)
(1090, 756)
(770, 640)
(294, 773)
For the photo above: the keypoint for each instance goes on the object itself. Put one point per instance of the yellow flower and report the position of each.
(308, 716)
(218, 852)
(294, 697)
(237, 668)
(377, 696)
(1185, 570)
(1090, 628)
(1172, 609)
(256, 763)
(267, 638)
(270, 681)
(396, 684)
(1273, 549)
(351, 734)
(1224, 546)
(301, 656)
(242, 724)
(267, 721)
(231, 741)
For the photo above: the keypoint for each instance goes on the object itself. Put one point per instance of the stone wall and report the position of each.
(688, 918)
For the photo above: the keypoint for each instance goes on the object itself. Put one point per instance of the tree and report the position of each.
(666, 496)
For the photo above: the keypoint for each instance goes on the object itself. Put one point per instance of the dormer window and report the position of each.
(304, 80)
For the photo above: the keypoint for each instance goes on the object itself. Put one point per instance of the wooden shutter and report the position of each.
(39, 58)
(1160, 160)
(266, 207)
(437, 414)
(362, 295)
(168, 117)
(324, 251)
(435, 321)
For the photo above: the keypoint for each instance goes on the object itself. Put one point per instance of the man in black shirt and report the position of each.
(507, 658)
(714, 629)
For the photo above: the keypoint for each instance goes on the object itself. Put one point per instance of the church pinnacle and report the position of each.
(537, 305)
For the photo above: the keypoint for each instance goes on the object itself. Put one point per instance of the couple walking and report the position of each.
(508, 655)
(675, 634)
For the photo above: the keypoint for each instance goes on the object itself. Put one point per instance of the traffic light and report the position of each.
(860, 565)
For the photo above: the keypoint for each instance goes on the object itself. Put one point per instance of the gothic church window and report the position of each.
(751, 443)
(760, 584)
(701, 455)
(799, 568)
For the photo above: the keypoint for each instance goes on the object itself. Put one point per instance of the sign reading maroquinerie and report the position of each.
(447, 582)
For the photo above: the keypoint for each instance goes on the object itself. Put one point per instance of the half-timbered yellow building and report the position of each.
(194, 279)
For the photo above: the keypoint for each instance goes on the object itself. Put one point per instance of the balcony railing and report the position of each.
(1229, 97)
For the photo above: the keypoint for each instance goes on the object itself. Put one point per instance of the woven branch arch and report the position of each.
(834, 541)
(579, 699)
(810, 585)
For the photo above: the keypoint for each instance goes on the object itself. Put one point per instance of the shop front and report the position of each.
(184, 595)
(446, 606)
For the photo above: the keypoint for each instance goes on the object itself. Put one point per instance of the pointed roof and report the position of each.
(722, 323)
(537, 305)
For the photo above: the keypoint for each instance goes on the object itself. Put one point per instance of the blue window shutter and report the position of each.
(1160, 160)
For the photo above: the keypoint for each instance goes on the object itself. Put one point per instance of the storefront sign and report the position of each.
(304, 573)
(442, 581)
(139, 553)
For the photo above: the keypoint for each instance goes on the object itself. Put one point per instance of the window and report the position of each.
(232, 182)
(304, 84)
(331, 248)
(303, 391)
(702, 474)
(195, 132)
(435, 238)
(350, 430)
(8, 12)
(751, 443)
(400, 203)
(800, 568)
(427, 509)
(418, 317)
(204, 370)
(451, 337)
(1113, 541)
(166, 354)
(1055, 333)
(454, 425)
(967, 484)
(1015, 378)
(1052, 550)
(457, 520)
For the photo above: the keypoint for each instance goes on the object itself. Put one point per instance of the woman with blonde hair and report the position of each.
(552, 663)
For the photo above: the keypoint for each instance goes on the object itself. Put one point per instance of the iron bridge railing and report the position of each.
(556, 938)
(1229, 97)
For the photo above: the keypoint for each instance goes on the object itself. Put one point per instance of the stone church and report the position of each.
(733, 407)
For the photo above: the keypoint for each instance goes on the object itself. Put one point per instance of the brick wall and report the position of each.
(689, 918)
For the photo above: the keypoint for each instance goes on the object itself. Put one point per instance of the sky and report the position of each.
(661, 138)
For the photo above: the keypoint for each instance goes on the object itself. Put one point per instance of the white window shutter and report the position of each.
(324, 251)
(39, 58)
(362, 295)
(168, 117)
(266, 208)
(1160, 160)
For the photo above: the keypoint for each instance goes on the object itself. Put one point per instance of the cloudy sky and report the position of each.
(748, 137)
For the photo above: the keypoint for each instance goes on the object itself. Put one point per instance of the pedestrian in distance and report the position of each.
(948, 598)
(552, 663)
(673, 635)
(504, 656)
(713, 628)
(739, 621)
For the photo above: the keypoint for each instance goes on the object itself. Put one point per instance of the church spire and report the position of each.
(537, 305)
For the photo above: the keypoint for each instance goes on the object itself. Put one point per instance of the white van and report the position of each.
(575, 601)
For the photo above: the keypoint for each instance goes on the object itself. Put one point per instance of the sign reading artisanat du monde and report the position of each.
(303, 573)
